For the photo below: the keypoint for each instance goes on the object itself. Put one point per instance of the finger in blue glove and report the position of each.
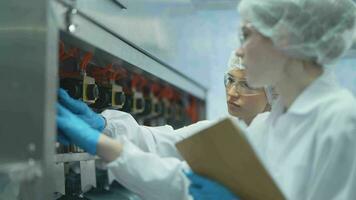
(82, 110)
(76, 130)
(202, 188)
(63, 139)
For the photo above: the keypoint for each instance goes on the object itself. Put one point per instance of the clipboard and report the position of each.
(223, 153)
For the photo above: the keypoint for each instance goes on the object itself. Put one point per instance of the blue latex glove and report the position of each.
(61, 138)
(204, 189)
(76, 130)
(81, 110)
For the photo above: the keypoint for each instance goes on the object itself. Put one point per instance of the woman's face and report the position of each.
(264, 63)
(242, 103)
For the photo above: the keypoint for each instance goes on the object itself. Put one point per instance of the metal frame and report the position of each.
(28, 74)
(96, 34)
(71, 157)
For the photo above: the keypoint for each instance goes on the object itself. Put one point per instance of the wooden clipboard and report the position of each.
(223, 153)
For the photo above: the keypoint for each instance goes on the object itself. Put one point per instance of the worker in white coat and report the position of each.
(308, 141)
(154, 147)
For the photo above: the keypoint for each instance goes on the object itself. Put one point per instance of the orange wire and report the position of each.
(85, 61)
(63, 55)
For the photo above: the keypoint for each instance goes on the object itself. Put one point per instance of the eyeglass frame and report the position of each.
(241, 86)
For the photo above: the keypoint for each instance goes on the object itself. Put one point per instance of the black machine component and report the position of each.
(109, 98)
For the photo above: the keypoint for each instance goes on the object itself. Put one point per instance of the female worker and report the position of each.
(243, 102)
(154, 147)
(308, 141)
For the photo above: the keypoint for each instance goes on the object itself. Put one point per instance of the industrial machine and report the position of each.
(59, 45)
(111, 83)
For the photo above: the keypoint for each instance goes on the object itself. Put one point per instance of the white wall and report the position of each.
(204, 42)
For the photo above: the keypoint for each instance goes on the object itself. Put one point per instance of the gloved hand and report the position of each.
(61, 138)
(204, 189)
(81, 110)
(76, 131)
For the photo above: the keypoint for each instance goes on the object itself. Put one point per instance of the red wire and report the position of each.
(85, 61)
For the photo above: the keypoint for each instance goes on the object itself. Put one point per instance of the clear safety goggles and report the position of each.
(240, 86)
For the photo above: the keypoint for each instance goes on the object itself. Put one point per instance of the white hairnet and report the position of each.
(235, 63)
(315, 30)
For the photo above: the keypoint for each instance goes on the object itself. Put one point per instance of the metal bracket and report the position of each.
(119, 4)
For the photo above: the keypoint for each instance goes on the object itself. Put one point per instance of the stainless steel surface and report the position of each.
(59, 177)
(100, 38)
(28, 68)
(116, 192)
(87, 175)
(72, 157)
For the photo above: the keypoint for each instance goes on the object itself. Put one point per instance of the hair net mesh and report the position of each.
(234, 62)
(315, 30)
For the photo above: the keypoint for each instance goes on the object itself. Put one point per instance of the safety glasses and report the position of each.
(240, 86)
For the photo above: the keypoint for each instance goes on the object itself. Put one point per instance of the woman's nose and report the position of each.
(239, 52)
(232, 92)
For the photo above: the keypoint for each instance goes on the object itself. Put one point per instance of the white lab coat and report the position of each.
(159, 140)
(150, 164)
(309, 150)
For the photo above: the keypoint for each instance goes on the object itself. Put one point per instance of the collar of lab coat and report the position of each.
(317, 92)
